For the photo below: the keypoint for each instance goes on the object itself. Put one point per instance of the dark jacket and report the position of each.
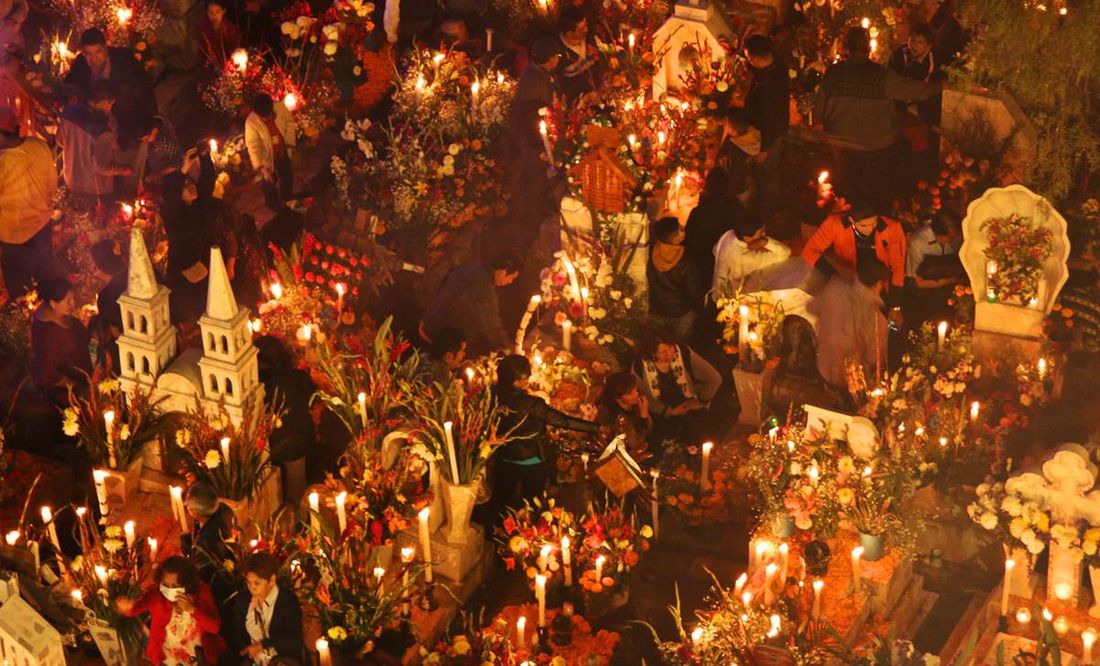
(468, 300)
(135, 95)
(296, 436)
(713, 217)
(768, 103)
(579, 76)
(536, 89)
(207, 543)
(675, 292)
(530, 415)
(285, 631)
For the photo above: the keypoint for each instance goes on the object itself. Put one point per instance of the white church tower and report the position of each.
(148, 341)
(229, 366)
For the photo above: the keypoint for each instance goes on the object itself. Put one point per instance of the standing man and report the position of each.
(270, 136)
(742, 251)
(97, 62)
(468, 301)
(769, 110)
(28, 180)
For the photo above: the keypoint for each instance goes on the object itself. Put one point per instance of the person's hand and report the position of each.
(897, 317)
(252, 651)
(693, 405)
(125, 605)
(184, 603)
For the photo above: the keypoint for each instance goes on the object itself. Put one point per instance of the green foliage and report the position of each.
(1051, 65)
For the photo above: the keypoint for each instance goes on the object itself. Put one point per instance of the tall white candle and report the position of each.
(566, 561)
(769, 580)
(426, 542)
(176, 493)
(1042, 368)
(1010, 564)
(225, 449)
(129, 528)
(51, 528)
(314, 510)
(363, 409)
(341, 514)
(407, 555)
(488, 40)
(544, 558)
(975, 407)
(600, 559)
(379, 579)
(99, 476)
(341, 289)
(475, 88)
(1088, 639)
(941, 334)
(704, 476)
(540, 592)
(323, 653)
(784, 558)
(545, 134)
(739, 585)
(815, 611)
(521, 630)
(567, 335)
(448, 432)
(857, 553)
(152, 548)
(109, 422)
(33, 545)
(743, 332)
(656, 501)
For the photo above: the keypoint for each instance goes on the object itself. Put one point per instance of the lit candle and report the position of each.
(323, 653)
(290, 101)
(656, 501)
(124, 15)
(630, 41)
(567, 335)
(704, 475)
(314, 510)
(51, 529)
(743, 331)
(303, 334)
(566, 560)
(633, 141)
(759, 551)
(697, 637)
(1010, 564)
(448, 432)
(1061, 625)
(276, 290)
(600, 559)
(362, 397)
(521, 630)
(341, 515)
(544, 132)
(240, 60)
(815, 611)
(974, 407)
(1042, 368)
(109, 422)
(814, 474)
(475, 87)
(129, 528)
(739, 585)
(769, 580)
(341, 289)
(746, 598)
(99, 476)
(941, 334)
(12, 537)
(225, 449)
(101, 574)
(426, 542)
(544, 558)
(407, 555)
(176, 493)
(77, 595)
(784, 560)
(1023, 615)
(1088, 639)
(379, 576)
(540, 593)
(824, 187)
(857, 553)
(152, 548)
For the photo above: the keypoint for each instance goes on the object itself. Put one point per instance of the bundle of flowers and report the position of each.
(530, 537)
(472, 646)
(1019, 522)
(563, 380)
(125, 22)
(716, 83)
(678, 488)
(110, 567)
(611, 547)
(384, 495)
(15, 325)
(1015, 255)
(243, 76)
(232, 458)
(113, 426)
(764, 314)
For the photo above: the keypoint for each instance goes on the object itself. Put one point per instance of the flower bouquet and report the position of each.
(114, 426)
(530, 538)
(15, 325)
(716, 84)
(611, 548)
(764, 323)
(385, 495)
(1016, 521)
(1014, 258)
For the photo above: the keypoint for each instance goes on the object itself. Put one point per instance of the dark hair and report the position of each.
(55, 290)
(273, 353)
(759, 46)
(923, 30)
(618, 385)
(102, 91)
(570, 18)
(183, 568)
(202, 498)
(747, 225)
(221, 3)
(447, 340)
(944, 221)
(92, 37)
(857, 40)
(739, 118)
(505, 261)
(718, 182)
(263, 105)
(510, 370)
(263, 564)
(872, 271)
(665, 228)
(648, 345)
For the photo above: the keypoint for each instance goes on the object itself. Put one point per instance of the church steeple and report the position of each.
(148, 340)
(220, 301)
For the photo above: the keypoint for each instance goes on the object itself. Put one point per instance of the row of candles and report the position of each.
(1063, 592)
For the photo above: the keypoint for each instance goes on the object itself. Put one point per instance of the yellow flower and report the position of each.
(337, 634)
(108, 386)
(845, 496)
(454, 149)
(646, 532)
(112, 546)
(461, 645)
(213, 459)
(114, 531)
(448, 170)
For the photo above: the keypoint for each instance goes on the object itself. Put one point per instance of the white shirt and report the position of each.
(257, 621)
(257, 138)
(734, 261)
(923, 243)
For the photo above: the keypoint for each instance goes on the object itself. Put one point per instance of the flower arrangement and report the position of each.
(232, 458)
(534, 528)
(612, 543)
(126, 23)
(15, 325)
(462, 420)
(716, 84)
(1016, 521)
(1015, 256)
(384, 497)
(112, 425)
(765, 316)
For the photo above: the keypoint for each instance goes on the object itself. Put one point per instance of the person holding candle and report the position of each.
(528, 460)
(468, 300)
(267, 622)
(675, 290)
(183, 619)
(678, 383)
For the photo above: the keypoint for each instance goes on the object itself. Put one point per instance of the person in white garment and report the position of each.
(742, 251)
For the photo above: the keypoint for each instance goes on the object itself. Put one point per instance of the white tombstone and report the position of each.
(628, 238)
(1065, 491)
(26, 638)
(693, 24)
(990, 313)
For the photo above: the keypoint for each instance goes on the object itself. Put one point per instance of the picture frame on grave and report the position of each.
(617, 470)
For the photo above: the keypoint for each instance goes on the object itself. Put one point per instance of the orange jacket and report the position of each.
(836, 232)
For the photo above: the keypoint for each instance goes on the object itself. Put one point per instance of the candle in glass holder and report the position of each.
(566, 561)
(425, 542)
(540, 593)
(815, 611)
(704, 476)
(341, 514)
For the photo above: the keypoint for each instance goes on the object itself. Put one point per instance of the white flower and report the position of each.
(628, 302)
(989, 521)
(616, 294)
(212, 459)
(1035, 547)
(1012, 506)
(124, 431)
(796, 468)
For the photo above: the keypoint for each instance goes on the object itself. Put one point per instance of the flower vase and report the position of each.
(458, 501)
(120, 484)
(1094, 577)
(874, 545)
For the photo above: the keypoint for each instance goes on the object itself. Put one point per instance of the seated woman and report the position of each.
(59, 342)
(626, 412)
(268, 620)
(528, 460)
(183, 619)
(678, 383)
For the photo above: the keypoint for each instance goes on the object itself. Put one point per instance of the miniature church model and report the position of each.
(26, 638)
(224, 373)
(695, 25)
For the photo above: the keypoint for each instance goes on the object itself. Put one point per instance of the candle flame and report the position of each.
(124, 15)
(290, 101)
(240, 59)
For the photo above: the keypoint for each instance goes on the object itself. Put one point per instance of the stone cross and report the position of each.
(1065, 491)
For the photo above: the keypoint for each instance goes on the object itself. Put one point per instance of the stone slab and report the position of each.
(452, 561)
